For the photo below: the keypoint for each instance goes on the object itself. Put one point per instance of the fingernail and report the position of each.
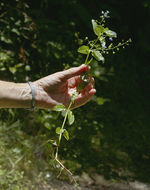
(92, 91)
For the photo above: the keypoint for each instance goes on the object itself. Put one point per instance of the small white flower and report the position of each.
(57, 166)
(48, 175)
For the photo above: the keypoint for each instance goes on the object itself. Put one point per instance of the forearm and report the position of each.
(15, 95)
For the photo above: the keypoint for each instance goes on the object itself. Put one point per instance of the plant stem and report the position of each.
(86, 60)
(56, 154)
(62, 127)
(64, 121)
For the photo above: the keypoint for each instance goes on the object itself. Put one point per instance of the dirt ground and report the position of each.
(97, 182)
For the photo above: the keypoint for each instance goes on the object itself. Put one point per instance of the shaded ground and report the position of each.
(99, 183)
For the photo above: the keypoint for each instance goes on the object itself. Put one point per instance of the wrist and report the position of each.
(43, 98)
(15, 95)
(23, 95)
(32, 87)
(39, 94)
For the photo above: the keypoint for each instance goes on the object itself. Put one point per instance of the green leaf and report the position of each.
(63, 113)
(27, 68)
(59, 130)
(101, 100)
(97, 55)
(102, 41)
(47, 125)
(4, 57)
(83, 49)
(18, 23)
(83, 82)
(19, 65)
(16, 31)
(85, 77)
(12, 70)
(66, 134)
(110, 33)
(54, 143)
(59, 107)
(110, 46)
(98, 29)
(16, 150)
(70, 117)
(6, 40)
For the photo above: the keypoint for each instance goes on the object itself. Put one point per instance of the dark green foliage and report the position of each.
(111, 133)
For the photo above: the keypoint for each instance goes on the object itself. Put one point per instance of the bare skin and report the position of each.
(50, 91)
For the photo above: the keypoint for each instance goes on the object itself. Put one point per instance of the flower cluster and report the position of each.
(103, 44)
(105, 14)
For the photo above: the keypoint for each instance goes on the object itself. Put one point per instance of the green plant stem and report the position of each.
(117, 46)
(64, 121)
(62, 127)
(71, 102)
(86, 60)
(56, 155)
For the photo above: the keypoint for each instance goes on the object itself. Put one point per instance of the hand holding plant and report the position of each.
(59, 87)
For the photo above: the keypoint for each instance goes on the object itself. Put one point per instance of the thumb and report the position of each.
(75, 71)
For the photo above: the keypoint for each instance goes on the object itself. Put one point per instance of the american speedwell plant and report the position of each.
(93, 49)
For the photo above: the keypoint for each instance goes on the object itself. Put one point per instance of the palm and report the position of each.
(62, 95)
(58, 88)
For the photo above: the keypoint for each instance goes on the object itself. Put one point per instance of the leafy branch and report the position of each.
(94, 49)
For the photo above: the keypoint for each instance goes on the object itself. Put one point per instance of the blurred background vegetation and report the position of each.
(111, 133)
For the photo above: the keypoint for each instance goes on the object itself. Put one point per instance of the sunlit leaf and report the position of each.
(83, 49)
(85, 77)
(102, 41)
(98, 29)
(16, 31)
(66, 134)
(101, 100)
(70, 117)
(6, 40)
(47, 125)
(110, 33)
(12, 70)
(110, 46)
(19, 65)
(63, 113)
(54, 143)
(27, 68)
(59, 107)
(16, 150)
(59, 130)
(97, 55)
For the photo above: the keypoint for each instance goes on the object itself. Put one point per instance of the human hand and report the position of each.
(58, 88)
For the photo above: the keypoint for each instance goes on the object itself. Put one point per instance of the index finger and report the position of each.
(75, 71)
